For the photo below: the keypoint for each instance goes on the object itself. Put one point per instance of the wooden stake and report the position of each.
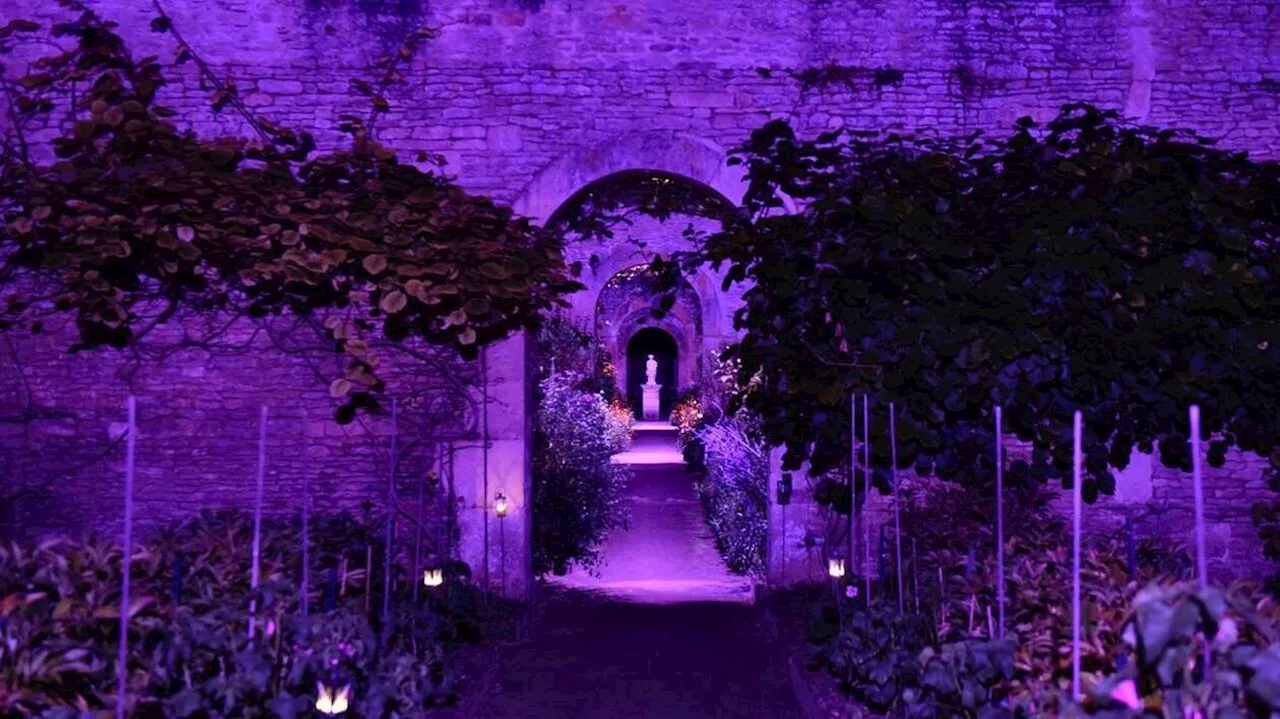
(257, 518)
(126, 558)
(1076, 505)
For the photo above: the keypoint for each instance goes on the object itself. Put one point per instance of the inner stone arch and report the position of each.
(613, 229)
(652, 343)
(628, 318)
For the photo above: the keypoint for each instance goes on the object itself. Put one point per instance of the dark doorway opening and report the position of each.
(652, 341)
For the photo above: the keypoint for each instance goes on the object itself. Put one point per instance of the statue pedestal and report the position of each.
(650, 402)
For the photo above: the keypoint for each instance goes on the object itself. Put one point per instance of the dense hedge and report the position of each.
(579, 426)
(1084, 265)
(734, 491)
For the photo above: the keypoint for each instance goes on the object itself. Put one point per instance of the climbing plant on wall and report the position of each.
(130, 218)
(1124, 271)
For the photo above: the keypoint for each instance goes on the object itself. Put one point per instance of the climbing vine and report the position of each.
(131, 218)
(1086, 265)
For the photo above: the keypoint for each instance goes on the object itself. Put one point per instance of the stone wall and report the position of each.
(199, 398)
(531, 100)
(510, 86)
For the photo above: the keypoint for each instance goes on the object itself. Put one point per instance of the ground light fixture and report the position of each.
(332, 701)
(500, 509)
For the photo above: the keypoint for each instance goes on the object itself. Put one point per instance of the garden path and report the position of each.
(592, 657)
(666, 554)
(664, 632)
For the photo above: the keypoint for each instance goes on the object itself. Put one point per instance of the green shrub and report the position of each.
(1154, 634)
(577, 490)
(190, 653)
(890, 662)
(1168, 634)
(734, 493)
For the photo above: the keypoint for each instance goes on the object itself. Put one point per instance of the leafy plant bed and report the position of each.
(196, 649)
(1145, 628)
(876, 666)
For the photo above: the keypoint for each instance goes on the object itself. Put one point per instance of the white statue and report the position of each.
(651, 371)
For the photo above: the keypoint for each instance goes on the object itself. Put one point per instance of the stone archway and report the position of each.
(626, 307)
(507, 462)
(676, 154)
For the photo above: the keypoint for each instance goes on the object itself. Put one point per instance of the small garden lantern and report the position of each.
(500, 504)
(835, 567)
(784, 489)
(433, 577)
(332, 701)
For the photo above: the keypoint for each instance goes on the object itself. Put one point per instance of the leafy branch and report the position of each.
(1127, 272)
(154, 220)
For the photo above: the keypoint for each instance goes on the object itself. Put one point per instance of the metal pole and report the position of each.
(126, 559)
(484, 459)
(866, 480)
(1202, 557)
(1000, 589)
(1078, 462)
(897, 510)
(915, 575)
(391, 527)
(416, 577)
(257, 518)
(853, 471)
(784, 545)
(306, 521)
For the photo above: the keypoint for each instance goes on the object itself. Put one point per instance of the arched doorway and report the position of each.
(629, 316)
(656, 343)
(603, 182)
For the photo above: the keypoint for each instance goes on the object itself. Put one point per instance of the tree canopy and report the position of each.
(1123, 271)
(132, 218)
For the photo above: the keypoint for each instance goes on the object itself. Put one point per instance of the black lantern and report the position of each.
(784, 489)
